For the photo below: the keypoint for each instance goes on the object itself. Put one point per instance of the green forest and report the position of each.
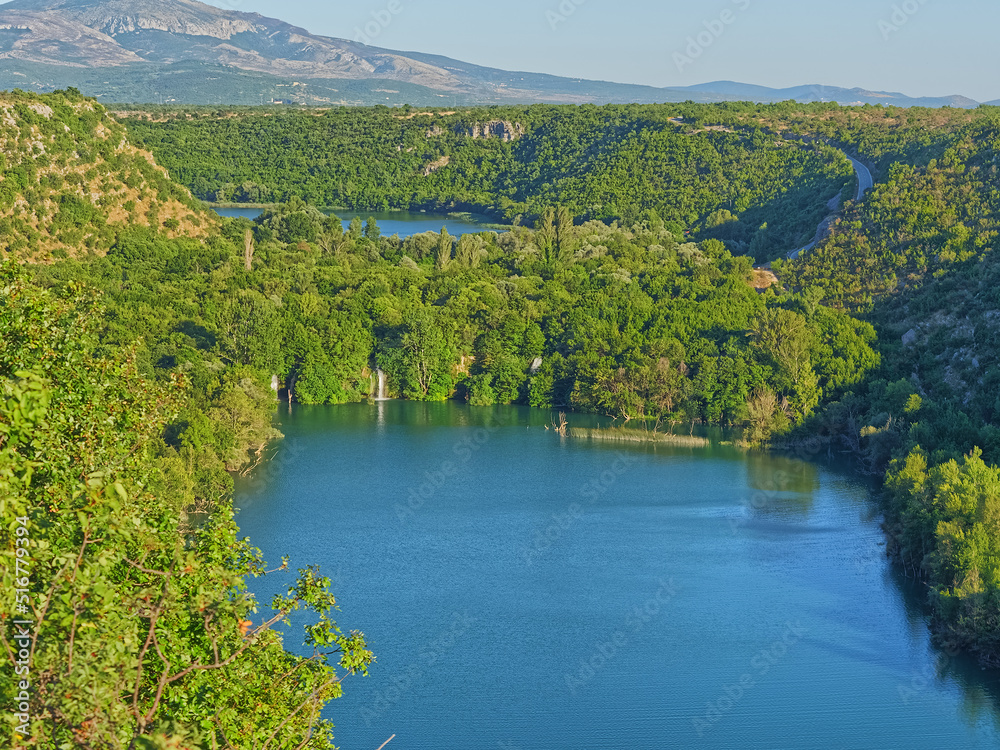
(137, 370)
(630, 163)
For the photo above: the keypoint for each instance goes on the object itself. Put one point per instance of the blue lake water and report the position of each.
(526, 591)
(403, 223)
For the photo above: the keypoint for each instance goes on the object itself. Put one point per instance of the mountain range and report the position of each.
(187, 52)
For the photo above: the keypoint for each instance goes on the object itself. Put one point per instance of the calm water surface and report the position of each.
(526, 591)
(403, 223)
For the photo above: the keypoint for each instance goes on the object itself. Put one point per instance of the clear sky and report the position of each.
(917, 47)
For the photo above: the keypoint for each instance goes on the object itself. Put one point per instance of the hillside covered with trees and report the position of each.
(137, 376)
(629, 163)
(628, 321)
(70, 180)
(918, 260)
(119, 543)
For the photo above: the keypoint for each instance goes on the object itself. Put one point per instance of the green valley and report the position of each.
(140, 332)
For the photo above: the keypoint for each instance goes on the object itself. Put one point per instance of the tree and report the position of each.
(764, 417)
(617, 393)
(783, 337)
(241, 412)
(248, 249)
(667, 388)
(425, 359)
(442, 255)
(332, 239)
(555, 235)
(760, 245)
(248, 330)
(545, 233)
(469, 251)
(564, 235)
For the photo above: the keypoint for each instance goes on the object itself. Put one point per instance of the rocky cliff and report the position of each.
(502, 129)
(113, 32)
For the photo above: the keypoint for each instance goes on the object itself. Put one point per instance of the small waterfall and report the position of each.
(380, 394)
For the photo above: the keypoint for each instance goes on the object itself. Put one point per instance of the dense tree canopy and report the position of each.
(634, 162)
(137, 372)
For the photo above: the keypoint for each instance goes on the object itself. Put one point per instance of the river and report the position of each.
(403, 223)
(526, 591)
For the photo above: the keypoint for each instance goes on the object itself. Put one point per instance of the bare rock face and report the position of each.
(116, 17)
(910, 337)
(435, 165)
(52, 39)
(114, 32)
(502, 129)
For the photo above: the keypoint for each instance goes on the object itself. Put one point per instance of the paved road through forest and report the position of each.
(865, 183)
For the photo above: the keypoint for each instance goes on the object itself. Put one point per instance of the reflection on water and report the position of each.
(945, 666)
(512, 586)
(779, 474)
(780, 487)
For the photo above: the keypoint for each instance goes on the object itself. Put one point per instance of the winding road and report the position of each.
(865, 183)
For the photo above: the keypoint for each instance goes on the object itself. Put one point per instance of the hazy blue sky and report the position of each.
(943, 47)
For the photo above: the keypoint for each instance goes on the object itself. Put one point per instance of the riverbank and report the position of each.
(482, 222)
(255, 206)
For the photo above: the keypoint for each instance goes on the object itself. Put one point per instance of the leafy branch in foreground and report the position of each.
(143, 631)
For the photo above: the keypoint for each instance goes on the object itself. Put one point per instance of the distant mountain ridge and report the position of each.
(816, 93)
(188, 52)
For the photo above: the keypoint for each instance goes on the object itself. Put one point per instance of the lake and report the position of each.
(526, 591)
(403, 223)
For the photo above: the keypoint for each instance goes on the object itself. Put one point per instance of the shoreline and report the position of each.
(467, 216)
